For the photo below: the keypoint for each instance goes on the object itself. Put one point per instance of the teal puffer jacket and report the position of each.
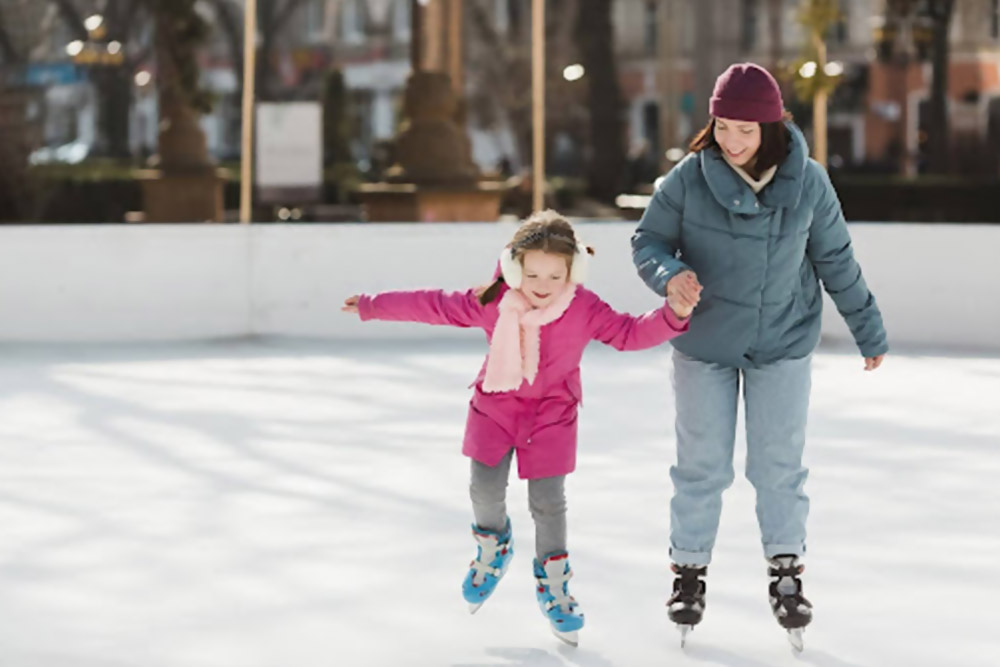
(760, 258)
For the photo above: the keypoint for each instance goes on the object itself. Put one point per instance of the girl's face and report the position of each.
(546, 275)
(738, 139)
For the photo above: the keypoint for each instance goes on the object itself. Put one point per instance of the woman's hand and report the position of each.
(871, 363)
(683, 293)
(351, 304)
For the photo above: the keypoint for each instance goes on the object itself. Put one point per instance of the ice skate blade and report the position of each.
(684, 630)
(572, 638)
(795, 639)
(474, 607)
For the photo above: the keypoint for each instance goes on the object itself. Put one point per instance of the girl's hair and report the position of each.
(546, 231)
(774, 140)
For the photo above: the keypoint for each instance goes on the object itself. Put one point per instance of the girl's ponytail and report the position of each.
(488, 293)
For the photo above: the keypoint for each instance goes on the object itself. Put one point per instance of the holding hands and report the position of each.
(683, 293)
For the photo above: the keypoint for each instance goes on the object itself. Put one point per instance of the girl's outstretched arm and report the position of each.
(458, 309)
(634, 332)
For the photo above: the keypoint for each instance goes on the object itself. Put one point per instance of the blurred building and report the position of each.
(671, 51)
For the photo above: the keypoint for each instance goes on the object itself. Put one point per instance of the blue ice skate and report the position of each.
(563, 611)
(492, 558)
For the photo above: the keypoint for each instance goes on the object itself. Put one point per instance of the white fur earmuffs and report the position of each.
(513, 272)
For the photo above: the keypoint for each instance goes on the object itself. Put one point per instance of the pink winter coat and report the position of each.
(538, 419)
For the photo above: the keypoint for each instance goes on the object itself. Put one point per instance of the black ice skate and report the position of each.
(687, 605)
(792, 610)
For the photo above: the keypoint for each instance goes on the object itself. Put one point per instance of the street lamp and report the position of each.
(574, 72)
(834, 68)
(808, 69)
(93, 23)
(93, 51)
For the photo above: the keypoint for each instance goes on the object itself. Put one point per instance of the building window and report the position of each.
(750, 18)
(649, 33)
(315, 17)
(401, 20)
(501, 16)
(352, 21)
(995, 19)
(842, 29)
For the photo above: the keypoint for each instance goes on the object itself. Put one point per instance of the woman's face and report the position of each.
(738, 139)
(545, 276)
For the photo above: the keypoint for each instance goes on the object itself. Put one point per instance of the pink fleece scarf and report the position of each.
(514, 347)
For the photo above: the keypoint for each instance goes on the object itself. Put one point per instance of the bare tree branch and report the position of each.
(8, 51)
(232, 26)
(285, 13)
(72, 17)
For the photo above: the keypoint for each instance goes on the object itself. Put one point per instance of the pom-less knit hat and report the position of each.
(749, 93)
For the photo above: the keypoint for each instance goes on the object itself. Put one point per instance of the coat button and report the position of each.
(529, 441)
(756, 204)
(736, 202)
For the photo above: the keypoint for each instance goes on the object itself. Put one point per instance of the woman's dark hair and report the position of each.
(774, 140)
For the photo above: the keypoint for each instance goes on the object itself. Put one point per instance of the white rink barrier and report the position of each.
(937, 285)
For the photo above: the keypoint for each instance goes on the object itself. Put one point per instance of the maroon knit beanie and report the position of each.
(749, 93)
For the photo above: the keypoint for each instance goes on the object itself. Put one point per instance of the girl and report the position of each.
(761, 225)
(538, 319)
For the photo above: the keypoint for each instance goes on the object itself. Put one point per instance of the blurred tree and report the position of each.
(595, 42)
(184, 185)
(337, 126)
(122, 24)
(499, 82)
(272, 18)
(813, 76)
(180, 30)
(501, 71)
(911, 30)
(940, 14)
(775, 14)
(9, 53)
(14, 186)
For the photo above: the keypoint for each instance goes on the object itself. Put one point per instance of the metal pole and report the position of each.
(455, 69)
(249, 69)
(416, 36)
(538, 102)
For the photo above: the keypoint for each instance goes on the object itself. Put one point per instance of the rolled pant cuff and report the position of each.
(682, 557)
(772, 550)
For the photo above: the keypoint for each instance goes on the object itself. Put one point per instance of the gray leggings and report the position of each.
(546, 500)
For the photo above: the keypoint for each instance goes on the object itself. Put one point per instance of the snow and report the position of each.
(269, 502)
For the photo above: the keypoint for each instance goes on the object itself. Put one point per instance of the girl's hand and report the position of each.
(683, 293)
(871, 363)
(351, 304)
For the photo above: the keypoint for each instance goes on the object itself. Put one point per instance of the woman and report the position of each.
(746, 227)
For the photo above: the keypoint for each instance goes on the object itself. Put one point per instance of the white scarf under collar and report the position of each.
(755, 184)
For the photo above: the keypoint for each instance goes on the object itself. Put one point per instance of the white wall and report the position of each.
(936, 284)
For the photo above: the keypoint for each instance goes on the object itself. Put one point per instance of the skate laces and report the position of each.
(557, 573)
(786, 585)
(489, 549)
(785, 571)
(688, 583)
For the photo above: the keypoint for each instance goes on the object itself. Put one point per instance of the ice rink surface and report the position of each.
(283, 503)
